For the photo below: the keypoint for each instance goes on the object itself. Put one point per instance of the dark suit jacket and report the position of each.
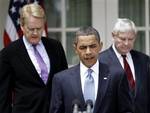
(17, 72)
(140, 60)
(112, 97)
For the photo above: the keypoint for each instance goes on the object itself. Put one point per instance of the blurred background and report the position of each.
(64, 17)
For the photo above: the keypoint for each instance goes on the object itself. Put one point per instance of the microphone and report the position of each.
(89, 106)
(76, 105)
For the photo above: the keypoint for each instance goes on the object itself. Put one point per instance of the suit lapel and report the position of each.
(113, 56)
(52, 58)
(24, 57)
(104, 78)
(76, 84)
(137, 69)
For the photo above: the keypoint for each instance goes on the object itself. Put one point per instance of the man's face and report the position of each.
(88, 49)
(124, 41)
(33, 29)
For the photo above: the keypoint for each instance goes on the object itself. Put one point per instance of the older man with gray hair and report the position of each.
(121, 57)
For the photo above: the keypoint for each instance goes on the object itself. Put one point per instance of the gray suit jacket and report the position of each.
(142, 73)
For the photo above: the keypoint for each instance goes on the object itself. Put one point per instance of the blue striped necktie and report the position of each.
(89, 87)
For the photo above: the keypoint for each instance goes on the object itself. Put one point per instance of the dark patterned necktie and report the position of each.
(129, 73)
(42, 65)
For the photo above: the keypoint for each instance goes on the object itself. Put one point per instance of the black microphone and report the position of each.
(89, 106)
(76, 105)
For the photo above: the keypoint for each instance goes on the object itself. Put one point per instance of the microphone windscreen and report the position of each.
(75, 102)
(89, 102)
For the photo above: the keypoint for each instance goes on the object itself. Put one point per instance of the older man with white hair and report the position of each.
(121, 57)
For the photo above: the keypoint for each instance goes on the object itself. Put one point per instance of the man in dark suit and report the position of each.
(124, 35)
(21, 71)
(109, 93)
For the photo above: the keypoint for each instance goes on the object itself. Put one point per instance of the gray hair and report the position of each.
(124, 25)
(85, 31)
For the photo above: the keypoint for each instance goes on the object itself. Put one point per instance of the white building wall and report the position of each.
(3, 13)
(104, 14)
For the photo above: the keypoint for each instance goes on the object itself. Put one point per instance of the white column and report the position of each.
(104, 14)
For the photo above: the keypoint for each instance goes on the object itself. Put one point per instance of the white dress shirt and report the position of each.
(128, 58)
(95, 74)
(41, 49)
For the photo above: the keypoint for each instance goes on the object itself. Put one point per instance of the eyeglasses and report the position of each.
(34, 30)
(124, 39)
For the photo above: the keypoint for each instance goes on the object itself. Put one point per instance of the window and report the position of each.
(64, 17)
(139, 12)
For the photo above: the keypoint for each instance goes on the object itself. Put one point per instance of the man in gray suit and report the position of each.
(124, 35)
(111, 92)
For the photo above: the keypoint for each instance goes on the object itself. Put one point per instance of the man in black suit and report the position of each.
(20, 70)
(124, 35)
(109, 93)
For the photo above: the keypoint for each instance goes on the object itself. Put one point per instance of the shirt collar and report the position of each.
(29, 45)
(118, 54)
(84, 69)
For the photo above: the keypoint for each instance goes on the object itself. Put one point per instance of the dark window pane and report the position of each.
(140, 42)
(134, 10)
(53, 12)
(55, 35)
(78, 13)
(71, 55)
